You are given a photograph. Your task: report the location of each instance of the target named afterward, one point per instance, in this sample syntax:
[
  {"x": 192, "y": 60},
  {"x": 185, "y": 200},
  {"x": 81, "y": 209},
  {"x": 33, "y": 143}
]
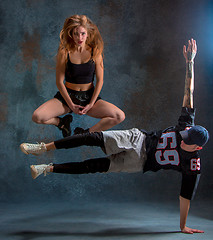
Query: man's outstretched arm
[
  {"x": 184, "y": 209},
  {"x": 189, "y": 53}
]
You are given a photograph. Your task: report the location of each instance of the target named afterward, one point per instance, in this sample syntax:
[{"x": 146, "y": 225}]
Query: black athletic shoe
[
  {"x": 64, "y": 125},
  {"x": 79, "y": 130}
]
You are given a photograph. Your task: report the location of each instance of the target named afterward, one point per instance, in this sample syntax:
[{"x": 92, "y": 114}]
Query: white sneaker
[
  {"x": 37, "y": 170},
  {"x": 35, "y": 149}
]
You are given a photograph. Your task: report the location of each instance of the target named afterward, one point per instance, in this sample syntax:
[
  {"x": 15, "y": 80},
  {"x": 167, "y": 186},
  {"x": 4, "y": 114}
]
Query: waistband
[{"x": 74, "y": 91}]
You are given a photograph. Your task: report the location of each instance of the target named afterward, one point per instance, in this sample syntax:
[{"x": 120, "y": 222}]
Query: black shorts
[{"x": 81, "y": 98}]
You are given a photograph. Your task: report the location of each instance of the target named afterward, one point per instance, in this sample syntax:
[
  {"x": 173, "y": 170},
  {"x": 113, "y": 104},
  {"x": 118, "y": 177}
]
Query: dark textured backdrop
[{"x": 144, "y": 76}]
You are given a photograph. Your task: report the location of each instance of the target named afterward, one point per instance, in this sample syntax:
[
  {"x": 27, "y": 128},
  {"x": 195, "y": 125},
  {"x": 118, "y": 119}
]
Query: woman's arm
[
  {"x": 99, "y": 71},
  {"x": 60, "y": 74}
]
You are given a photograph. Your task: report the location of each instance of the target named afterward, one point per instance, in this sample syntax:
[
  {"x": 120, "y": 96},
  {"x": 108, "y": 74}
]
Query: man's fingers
[
  {"x": 197, "y": 231},
  {"x": 195, "y": 46},
  {"x": 187, "y": 232},
  {"x": 191, "y": 231},
  {"x": 184, "y": 49}
]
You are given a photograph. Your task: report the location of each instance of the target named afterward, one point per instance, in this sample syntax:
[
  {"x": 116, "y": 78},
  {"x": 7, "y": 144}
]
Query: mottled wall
[{"x": 144, "y": 75}]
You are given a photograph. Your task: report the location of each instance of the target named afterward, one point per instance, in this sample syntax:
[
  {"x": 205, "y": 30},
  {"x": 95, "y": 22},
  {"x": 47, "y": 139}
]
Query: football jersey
[{"x": 164, "y": 152}]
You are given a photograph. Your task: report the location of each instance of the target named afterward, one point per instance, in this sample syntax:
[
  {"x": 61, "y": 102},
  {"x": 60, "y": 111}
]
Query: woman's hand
[
  {"x": 85, "y": 109},
  {"x": 76, "y": 109}
]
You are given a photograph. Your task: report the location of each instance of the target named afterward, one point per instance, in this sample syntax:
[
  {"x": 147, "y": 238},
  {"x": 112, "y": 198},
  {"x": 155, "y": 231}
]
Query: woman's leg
[
  {"x": 109, "y": 114},
  {"x": 48, "y": 112}
]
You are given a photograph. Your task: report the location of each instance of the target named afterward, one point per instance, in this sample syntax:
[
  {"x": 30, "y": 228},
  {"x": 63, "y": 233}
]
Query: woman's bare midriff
[{"x": 79, "y": 87}]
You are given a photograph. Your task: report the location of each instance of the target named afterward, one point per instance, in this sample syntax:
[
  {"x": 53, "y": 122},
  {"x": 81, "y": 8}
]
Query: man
[{"x": 135, "y": 150}]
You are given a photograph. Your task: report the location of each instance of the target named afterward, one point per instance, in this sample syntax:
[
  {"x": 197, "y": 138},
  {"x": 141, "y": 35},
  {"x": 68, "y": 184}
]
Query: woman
[{"x": 79, "y": 58}]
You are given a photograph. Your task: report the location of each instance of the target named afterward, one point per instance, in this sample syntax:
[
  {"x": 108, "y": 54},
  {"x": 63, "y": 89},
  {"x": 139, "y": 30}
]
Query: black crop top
[{"x": 80, "y": 73}]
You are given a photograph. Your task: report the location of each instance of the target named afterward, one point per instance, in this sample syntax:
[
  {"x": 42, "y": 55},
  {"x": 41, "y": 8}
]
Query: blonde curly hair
[{"x": 94, "y": 39}]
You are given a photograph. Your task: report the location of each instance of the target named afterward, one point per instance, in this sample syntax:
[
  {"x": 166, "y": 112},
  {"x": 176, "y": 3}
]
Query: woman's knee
[
  {"x": 38, "y": 118},
  {"x": 122, "y": 116},
  {"x": 119, "y": 117}
]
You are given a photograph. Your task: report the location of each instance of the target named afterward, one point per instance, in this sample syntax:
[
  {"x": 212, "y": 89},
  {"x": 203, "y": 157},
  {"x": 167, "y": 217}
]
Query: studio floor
[{"x": 63, "y": 221}]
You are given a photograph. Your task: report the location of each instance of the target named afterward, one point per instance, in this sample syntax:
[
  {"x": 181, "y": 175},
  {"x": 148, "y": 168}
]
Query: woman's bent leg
[
  {"x": 48, "y": 112},
  {"x": 109, "y": 114}
]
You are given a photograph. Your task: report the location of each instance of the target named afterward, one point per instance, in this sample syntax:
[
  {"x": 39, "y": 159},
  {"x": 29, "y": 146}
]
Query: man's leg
[
  {"x": 88, "y": 139},
  {"x": 88, "y": 166}
]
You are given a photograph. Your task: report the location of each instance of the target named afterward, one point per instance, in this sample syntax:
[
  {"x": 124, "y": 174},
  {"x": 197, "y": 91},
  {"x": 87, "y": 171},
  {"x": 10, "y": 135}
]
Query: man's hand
[
  {"x": 191, "y": 50},
  {"x": 190, "y": 230},
  {"x": 189, "y": 54}
]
